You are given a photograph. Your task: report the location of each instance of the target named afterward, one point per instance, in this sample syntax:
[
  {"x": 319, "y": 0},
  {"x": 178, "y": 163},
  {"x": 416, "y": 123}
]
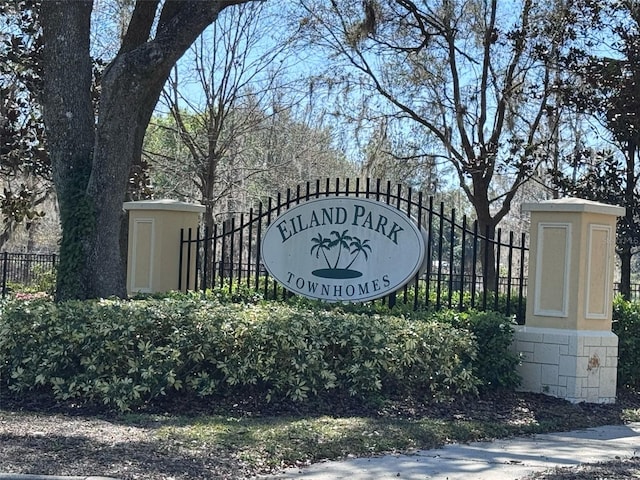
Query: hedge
[{"x": 124, "y": 354}]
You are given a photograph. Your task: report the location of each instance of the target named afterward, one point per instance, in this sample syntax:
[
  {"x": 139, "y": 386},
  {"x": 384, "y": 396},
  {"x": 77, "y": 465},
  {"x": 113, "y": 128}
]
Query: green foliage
[
  {"x": 626, "y": 325},
  {"x": 125, "y": 353},
  {"x": 115, "y": 353},
  {"x": 404, "y": 304},
  {"x": 24, "y": 162},
  {"x": 78, "y": 222},
  {"x": 496, "y": 364},
  {"x": 43, "y": 281}
]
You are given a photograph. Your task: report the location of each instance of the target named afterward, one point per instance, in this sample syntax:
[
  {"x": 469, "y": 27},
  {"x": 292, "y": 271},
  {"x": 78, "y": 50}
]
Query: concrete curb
[{"x": 18, "y": 476}]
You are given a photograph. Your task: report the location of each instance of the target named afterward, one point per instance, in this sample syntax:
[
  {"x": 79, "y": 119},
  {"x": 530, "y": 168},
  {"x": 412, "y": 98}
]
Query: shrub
[
  {"x": 496, "y": 364},
  {"x": 110, "y": 352},
  {"x": 43, "y": 281},
  {"x": 626, "y": 325},
  {"x": 125, "y": 353},
  {"x": 403, "y": 305}
]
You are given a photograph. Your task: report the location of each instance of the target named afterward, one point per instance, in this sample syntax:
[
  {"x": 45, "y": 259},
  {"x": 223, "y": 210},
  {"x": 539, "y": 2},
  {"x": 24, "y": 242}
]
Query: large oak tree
[
  {"x": 608, "y": 88},
  {"x": 93, "y": 143},
  {"x": 477, "y": 77}
]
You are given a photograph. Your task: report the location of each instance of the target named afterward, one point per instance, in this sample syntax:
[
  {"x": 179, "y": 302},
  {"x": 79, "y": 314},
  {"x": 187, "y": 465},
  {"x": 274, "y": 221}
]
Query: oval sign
[{"x": 343, "y": 249}]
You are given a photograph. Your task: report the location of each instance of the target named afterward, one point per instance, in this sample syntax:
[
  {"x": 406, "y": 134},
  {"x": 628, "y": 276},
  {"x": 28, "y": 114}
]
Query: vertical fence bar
[
  {"x": 223, "y": 253},
  {"x": 463, "y": 251},
  {"x": 398, "y": 205},
  {"x": 284, "y": 291},
  {"x": 509, "y": 272},
  {"x": 259, "y": 247},
  {"x": 485, "y": 270},
  {"x": 214, "y": 254},
  {"x": 274, "y": 283},
  {"x": 266, "y": 276},
  {"x": 180, "y": 258},
  {"x": 188, "y": 285},
  {"x": 452, "y": 240},
  {"x": 498, "y": 244},
  {"x": 416, "y": 285},
  {"x": 5, "y": 260},
  {"x": 198, "y": 260},
  {"x": 232, "y": 235},
  {"x": 250, "y": 248},
  {"x": 474, "y": 264},
  {"x": 269, "y": 214},
  {"x": 205, "y": 262},
  {"x": 429, "y": 251},
  {"x": 240, "y": 248},
  {"x": 521, "y": 285},
  {"x": 440, "y": 248}
]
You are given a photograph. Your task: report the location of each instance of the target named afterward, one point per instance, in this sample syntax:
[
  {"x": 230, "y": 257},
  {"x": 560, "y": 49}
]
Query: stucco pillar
[
  {"x": 567, "y": 347},
  {"x": 154, "y": 244}
]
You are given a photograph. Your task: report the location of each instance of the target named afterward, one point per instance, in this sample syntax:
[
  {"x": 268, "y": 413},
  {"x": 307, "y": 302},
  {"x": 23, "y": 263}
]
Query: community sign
[{"x": 343, "y": 249}]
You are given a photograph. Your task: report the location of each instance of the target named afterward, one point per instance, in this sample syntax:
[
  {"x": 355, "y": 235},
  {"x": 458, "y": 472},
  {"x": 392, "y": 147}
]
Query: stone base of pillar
[{"x": 576, "y": 365}]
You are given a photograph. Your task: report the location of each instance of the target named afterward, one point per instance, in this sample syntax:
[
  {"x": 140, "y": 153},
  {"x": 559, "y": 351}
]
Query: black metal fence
[
  {"x": 634, "y": 294},
  {"x": 457, "y": 273},
  {"x": 19, "y": 270}
]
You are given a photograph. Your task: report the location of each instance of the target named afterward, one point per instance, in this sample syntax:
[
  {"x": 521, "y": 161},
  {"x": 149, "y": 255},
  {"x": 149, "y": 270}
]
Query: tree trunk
[
  {"x": 625, "y": 251},
  {"x": 488, "y": 255},
  {"x": 126, "y": 105},
  {"x": 210, "y": 265},
  {"x": 91, "y": 167},
  {"x": 69, "y": 121},
  {"x": 486, "y": 228},
  {"x": 625, "y": 255}
]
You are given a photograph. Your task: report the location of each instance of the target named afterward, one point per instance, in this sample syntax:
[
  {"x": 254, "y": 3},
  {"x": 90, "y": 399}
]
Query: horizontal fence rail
[
  {"x": 466, "y": 268},
  {"x": 19, "y": 270}
]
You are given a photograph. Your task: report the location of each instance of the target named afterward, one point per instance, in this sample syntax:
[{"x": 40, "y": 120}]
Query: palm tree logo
[{"x": 343, "y": 242}]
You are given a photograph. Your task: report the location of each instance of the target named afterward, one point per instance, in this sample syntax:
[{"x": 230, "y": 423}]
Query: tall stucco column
[
  {"x": 154, "y": 244},
  {"x": 567, "y": 347}
]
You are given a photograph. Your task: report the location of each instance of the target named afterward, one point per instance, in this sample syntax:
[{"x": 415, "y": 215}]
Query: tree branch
[{"x": 140, "y": 25}]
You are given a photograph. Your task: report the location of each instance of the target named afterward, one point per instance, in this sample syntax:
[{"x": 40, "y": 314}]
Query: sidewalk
[{"x": 509, "y": 459}]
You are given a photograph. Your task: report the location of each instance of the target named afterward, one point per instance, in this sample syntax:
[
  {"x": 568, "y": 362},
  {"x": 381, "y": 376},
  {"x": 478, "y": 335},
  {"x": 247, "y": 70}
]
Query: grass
[
  {"x": 276, "y": 442},
  {"x": 266, "y": 442},
  {"x": 185, "y": 438}
]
